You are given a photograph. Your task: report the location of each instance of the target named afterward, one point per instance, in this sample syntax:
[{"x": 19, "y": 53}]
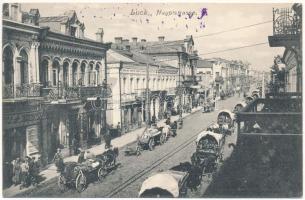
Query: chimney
[
  {"x": 161, "y": 38},
  {"x": 118, "y": 40},
  {"x": 143, "y": 40},
  {"x": 127, "y": 47},
  {"x": 125, "y": 42},
  {"x": 134, "y": 40},
  {"x": 99, "y": 35}
]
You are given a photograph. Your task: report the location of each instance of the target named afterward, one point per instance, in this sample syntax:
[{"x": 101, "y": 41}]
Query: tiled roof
[
  {"x": 116, "y": 57},
  {"x": 54, "y": 19}
]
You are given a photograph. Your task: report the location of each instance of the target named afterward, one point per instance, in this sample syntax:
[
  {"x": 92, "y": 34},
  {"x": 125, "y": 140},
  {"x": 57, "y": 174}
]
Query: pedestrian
[
  {"x": 107, "y": 138},
  {"x": 174, "y": 128},
  {"x": 75, "y": 145},
  {"x": 34, "y": 171},
  {"x": 7, "y": 173},
  {"x": 81, "y": 157},
  {"x": 168, "y": 121},
  {"x": 119, "y": 129},
  {"x": 153, "y": 119},
  {"x": 17, "y": 171},
  {"x": 58, "y": 160},
  {"x": 24, "y": 166}
]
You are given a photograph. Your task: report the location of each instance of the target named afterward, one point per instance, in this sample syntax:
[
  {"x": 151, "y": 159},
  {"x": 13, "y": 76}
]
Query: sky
[{"x": 176, "y": 20}]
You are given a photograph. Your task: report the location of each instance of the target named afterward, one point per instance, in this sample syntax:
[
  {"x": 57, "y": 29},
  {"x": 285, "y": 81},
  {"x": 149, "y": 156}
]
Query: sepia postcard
[{"x": 142, "y": 99}]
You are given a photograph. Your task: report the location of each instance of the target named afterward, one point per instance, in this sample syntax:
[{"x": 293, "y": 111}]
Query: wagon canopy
[
  {"x": 241, "y": 103},
  {"x": 227, "y": 113},
  {"x": 216, "y": 136},
  {"x": 163, "y": 181}
]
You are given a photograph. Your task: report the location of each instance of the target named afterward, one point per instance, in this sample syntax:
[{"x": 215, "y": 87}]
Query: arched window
[
  {"x": 65, "y": 74},
  {"x": 90, "y": 74},
  {"x": 55, "y": 72},
  {"x": 43, "y": 76},
  {"x": 97, "y": 77},
  {"x": 23, "y": 67},
  {"x": 74, "y": 73},
  {"x": 8, "y": 67},
  {"x": 82, "y": 74}
]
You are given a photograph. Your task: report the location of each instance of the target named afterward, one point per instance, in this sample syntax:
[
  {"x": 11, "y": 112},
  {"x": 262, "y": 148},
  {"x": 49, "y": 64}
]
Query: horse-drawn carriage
[
  {"x": 225, "y": 120},
  {"x": 170, "y": 183},
  {"x": 76, "y": 174},
  {"x": 150, "y": 137},
  {"x": 209, "y": 147}
]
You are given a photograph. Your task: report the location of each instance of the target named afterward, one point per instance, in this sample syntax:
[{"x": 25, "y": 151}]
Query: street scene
[{"x": 127, "y": 100}]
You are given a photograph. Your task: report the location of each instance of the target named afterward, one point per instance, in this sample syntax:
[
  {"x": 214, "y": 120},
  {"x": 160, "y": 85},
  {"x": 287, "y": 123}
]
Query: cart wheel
[
  {"x": 81, "y": 182},
  {"x": 102, "y": 172},
  {"x": 162, "y": 139},
  {"x": 62, "y": 183},
  {"x": 151, "y": 144}
]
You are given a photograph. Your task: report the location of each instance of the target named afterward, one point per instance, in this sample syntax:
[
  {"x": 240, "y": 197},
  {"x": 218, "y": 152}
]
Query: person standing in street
[
  {"x": 58, "y": 159},
  {"x": 16, "y": 171},
  {"x": 107, "y": 138},
  {"x": 75, "y": 145},
  {"x": 119, "y": 129}
]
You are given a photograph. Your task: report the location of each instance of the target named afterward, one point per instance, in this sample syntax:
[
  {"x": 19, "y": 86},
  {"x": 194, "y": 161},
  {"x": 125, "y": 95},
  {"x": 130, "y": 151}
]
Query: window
[
  {"x": 74, "y": 74},
  {"x": 6, "y": 11},
  {"x": 54, "y": 72},
  {"x": 23, "y": 67},
  {"x": 8, "y": 65},
  {"x": 73, "y": 31},
  {"x": 217, "y": 74}
]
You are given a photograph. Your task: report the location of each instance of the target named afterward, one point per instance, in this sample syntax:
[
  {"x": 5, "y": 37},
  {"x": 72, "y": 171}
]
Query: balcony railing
[
  {"x": 286, "y": 22},
  {"x": 128, "y": 97},
  {"x": 75, "y": 92},
  {"x": 21, "y": 90}
]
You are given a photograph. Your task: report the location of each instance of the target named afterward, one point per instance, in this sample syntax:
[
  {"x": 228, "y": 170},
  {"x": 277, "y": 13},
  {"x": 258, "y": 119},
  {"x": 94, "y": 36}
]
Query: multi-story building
[
  {"x": 50, "y": 73},
  {"x": 129, "y": 71},
  {"x": 287, "y": 32},
  {"x": 180, "y": 54},
  {"x": 223, "y": 74}
]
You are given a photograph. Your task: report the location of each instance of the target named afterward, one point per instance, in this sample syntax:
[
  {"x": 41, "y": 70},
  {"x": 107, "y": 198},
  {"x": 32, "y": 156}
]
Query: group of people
[{"x": 25, "y": 171}]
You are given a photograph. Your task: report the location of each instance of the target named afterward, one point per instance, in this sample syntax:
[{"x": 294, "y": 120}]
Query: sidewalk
[{"x": 50, "y": 172}]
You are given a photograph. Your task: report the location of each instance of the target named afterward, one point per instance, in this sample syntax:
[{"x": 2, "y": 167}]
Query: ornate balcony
[
  {"x": 12, "y": 91},
  {"x": 72, "y": 93},
  {"x": 287, "y": 27}
]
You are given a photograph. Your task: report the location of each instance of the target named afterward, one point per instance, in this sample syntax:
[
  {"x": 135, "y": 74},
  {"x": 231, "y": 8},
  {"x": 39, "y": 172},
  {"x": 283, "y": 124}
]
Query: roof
[
  {"x": 54, "y": 19},
  {"x": 115, "y": 57},
  {"x": 204, "y": 63}
]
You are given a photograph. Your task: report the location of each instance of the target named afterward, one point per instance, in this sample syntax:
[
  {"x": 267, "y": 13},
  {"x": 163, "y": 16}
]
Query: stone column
[
  {"x": 16, "y": 80},
  {"x": 33, "y": 66}
]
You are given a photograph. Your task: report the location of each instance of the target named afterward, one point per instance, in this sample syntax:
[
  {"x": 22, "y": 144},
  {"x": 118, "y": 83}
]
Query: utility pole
[
  {"x": 147, "y": 98},
  {"x": 105, "y": 96},
  {"x": 180, "y": 90}
]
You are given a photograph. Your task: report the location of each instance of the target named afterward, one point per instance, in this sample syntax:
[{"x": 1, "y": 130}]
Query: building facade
[
  {"x": 47, "y": 85},
  {"x": 129, "y": 71},
  {"x": 287, "y": 32}
]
